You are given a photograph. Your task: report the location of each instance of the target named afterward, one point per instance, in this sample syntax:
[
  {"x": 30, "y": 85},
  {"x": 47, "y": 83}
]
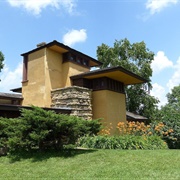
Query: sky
[{"x": 86, "y": 24}]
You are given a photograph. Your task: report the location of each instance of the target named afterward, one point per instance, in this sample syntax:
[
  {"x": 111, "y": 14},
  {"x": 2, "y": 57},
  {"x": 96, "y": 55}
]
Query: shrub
[
  {"x": 3, "y": 136},
  {"x": 122, "y": 142},
  {"x": 40, "y": 129},
  {"x": 169, "y": 131}
]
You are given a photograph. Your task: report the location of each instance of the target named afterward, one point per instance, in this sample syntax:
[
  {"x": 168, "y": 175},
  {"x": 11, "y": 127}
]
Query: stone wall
[{"x": 74, "y": 97}]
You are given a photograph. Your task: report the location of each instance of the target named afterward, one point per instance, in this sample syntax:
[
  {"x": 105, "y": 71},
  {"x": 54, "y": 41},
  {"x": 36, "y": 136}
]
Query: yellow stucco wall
[
  {"x": 46, "y": 71},
  {"x": 110, "y": 106},
  {"x": 54, "y": 70},
  {"x": 33, "y": 90},
  {"x": 70, "y": 69}
]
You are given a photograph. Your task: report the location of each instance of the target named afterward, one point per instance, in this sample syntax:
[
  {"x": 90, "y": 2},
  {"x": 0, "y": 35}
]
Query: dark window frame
[
  {"x": 98, "y": 84},
  {"x": 77, "y": 59},
  {"x": 25, "y": 69}
]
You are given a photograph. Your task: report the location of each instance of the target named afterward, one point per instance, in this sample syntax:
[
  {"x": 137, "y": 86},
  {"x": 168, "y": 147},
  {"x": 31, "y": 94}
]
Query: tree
[
  {"x": 174, "y": 97},
  {"x": 136, "y": 58},
  {"x": 170, "y": 115},
  {"x": 1, "y": 60}
]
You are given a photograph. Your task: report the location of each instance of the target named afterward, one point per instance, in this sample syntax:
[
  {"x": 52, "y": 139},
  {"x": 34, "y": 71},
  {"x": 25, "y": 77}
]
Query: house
[
  {"x": 136, "y": 118},
  {"x": 59, "y": 77}
]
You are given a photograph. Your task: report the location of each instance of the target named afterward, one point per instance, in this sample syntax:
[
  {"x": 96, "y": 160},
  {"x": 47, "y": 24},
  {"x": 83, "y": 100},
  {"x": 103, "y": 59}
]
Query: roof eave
[
  {"x": 108, "y": 70},
  {"x": 98, "y": 63}
]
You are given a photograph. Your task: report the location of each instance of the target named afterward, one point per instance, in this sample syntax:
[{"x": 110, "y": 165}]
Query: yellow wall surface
[
  {"x": 54, "y": 71},
  {"x": 33, "y": 90},
  {"x": 70, "y": 69},
  {"x": 110, "y": 106},
  {"x": 46, "y": 72}
]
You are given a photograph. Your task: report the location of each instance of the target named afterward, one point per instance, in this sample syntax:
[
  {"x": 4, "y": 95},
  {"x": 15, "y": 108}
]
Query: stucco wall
[
  {"x": 54, "y": 69},
  {"x": 33, "y": 90},
  {"x": 46, "y": 71},
  {"x": 76, "y": 98},
  {"x": 110, "y": 106},
  {"x": 70, "y": 69}
]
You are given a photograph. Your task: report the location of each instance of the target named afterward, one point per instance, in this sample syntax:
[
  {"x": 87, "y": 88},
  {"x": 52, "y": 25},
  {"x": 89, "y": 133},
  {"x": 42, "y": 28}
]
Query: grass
[{"x": 93, "y": 164}]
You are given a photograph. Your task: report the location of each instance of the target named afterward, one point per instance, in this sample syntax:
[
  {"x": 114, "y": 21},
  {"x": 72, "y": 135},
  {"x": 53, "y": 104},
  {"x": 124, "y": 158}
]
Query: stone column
[{"x": 74, "y": 97}]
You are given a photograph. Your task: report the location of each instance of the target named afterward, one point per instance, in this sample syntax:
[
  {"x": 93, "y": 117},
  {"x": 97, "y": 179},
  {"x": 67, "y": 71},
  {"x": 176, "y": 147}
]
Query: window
[
  {"x": 107, "y": 83},
  {"x": 76, "y": 59},
  {"x": 103, "y": 83},
  {"x": 25, "y": 68}
]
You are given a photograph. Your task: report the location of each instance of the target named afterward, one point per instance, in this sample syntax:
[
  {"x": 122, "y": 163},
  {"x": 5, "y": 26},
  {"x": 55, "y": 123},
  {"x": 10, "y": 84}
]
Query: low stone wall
[{"x": 74, "y": 97}]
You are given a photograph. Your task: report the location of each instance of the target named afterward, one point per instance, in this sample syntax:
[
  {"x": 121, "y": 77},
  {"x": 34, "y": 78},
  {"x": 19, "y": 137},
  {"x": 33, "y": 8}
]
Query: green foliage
[
  {"x": 122, "y": 142},
  {"x": 1, "y": 60},
  {"x": 174, "y": 97},
  {"x": 3, "y": 132},
  {"x": 136, "y": 58},
  {"x": 165, "y": 130},
  {"x": 170, "y": 116},
  {"x": 171, "y": 119},
  {"x": 41, "y": 129}
]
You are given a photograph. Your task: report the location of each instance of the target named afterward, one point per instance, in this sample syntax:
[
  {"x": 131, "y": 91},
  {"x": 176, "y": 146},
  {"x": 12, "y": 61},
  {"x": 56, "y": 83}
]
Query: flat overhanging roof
[
  {"x": 10, "y": 107},
  {"x": 10, "y": 96},
  {"x": 59, "y": 47},
  {"x": 115, "y": 73}
]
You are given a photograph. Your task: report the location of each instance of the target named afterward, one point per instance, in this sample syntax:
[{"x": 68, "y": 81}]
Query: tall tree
[
  {"x": 136, "y": 58},
  {"x": 170, "y": 115},
  {"x": 1, "y": 60}
]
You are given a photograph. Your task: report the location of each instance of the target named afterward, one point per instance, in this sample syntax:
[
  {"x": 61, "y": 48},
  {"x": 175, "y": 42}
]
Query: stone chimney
[{"x": 41, "y": 44}]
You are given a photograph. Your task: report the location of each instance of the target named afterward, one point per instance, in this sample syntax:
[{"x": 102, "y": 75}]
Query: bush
[
  {"x": 40, "y": 129},
  {"x": 171, "y": 119},
  {"x": 3, "y": 136},
  {"x": 122, "y": 142}
]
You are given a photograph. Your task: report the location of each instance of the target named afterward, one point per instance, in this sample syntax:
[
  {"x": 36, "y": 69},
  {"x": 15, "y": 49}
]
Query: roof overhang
[
  {"x": 10, "y": 96},
  {"x": 134, "y": 116},
  {"x": 17, "y": 90},
  {"x": 61, "y": 48},
  {"x": 115, "y": 73},
  {"x": 8, "y": 107}
]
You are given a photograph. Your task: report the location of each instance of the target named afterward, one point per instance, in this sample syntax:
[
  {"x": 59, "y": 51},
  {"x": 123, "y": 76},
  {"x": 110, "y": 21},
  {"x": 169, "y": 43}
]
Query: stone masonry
[{"x": 78, "y": 99}]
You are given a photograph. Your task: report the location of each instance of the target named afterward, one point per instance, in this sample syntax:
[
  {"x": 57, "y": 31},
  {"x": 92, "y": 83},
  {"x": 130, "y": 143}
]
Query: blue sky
[{"x": 86, "y": 24}]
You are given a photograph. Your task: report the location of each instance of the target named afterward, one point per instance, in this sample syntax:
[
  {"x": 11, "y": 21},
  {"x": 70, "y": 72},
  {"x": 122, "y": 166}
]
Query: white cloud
[
  {"x": 158, "y": 5},
  {"x": 160, "y": 62},
  {"x": 159, "y": 92},
  {"x": 10, "y": 79},
  {"x": 35, "y": 6},
  {"x": 74, "y": 36},
  {"x": 175, "y": 79}
]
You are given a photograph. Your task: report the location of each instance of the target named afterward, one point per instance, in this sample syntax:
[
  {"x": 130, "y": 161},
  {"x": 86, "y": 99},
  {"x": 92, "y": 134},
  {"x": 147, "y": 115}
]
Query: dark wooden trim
[
  {"x": 25, "y": 68},
  {"x": 10, "y": 96},
  {"x": 98, "y": 84},
  {"x": 24, "y": 81},
  {"x": 17, "y": 90},
  {"x": 76, "y": 59},
  {"x": 12, "y": 111},
  {"x": 64, "y": 47}
]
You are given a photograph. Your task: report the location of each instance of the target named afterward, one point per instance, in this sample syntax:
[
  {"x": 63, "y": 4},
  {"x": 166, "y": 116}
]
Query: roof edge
[
  {"x": 110, "y": 69},
  {"x": 62, "y": 46}
]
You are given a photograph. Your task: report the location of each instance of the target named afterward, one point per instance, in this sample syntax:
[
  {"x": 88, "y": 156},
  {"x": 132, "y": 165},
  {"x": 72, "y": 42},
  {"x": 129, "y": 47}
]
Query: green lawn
[{"x": 94, "y": 164}]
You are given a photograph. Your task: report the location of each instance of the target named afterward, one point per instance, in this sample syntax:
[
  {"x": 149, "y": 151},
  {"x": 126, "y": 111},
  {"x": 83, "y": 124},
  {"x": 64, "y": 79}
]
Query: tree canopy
[
  {"x": 173, "y": 105},
  {"x": 1, "y": 60},
  {"x": 137, "y": 58},
  {"x": 170, "y": 114}
]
